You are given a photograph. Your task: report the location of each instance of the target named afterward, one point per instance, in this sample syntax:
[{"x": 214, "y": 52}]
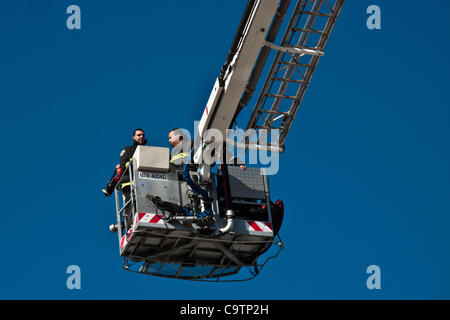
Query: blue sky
[{"x": 365, "y": 177}]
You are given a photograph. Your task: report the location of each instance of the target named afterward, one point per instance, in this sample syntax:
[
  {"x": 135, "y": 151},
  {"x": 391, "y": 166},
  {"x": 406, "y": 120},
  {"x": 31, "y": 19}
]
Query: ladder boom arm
[
  {"x": 230, "y": 85},
  {"x": 294, "y": 62}
]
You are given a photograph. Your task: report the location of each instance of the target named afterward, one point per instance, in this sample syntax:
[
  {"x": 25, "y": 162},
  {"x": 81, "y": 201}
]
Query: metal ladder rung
[
  {"x": 273, "y": 112},
  {"x": 307, "y": 30},
  {"x": 289, "y": 63},
  {"x": 287, "y": 80},
  {"x": 321, "y": 14},
  {"x": 281, "y": 96}
]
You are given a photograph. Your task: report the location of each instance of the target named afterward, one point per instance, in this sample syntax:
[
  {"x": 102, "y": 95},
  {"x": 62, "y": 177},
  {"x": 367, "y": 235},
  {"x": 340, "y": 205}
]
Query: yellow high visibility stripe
[{"x": 179, "y": 156}]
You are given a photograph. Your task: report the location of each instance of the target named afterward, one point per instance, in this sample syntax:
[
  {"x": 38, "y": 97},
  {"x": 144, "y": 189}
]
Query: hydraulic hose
[
  {"x": 187, "y": 213},
  {"x": 195, "y": 187}
]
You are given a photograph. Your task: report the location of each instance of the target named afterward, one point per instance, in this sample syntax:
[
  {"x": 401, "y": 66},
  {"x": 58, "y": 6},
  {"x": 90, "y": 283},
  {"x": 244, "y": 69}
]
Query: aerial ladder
[{"x": 208, "y": 220}]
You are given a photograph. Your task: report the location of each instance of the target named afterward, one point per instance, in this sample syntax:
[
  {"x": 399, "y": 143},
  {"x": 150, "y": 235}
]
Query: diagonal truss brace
[{"x": 294, "y": 50}]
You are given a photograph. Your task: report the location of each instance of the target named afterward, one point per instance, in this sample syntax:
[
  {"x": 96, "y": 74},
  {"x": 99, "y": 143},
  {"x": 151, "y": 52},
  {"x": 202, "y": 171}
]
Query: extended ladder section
[{"x": 294, "y": 64}]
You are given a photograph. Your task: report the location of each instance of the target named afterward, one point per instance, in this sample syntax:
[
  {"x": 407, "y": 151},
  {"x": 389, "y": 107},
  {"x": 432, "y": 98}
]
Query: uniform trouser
[{"x": 128, "y": 212}]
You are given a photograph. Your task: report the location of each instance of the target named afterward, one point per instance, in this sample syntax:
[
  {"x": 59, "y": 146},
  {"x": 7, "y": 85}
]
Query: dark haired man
[
  {"x": 127, "y": 153},
  {"x": 125, "y": 156}
]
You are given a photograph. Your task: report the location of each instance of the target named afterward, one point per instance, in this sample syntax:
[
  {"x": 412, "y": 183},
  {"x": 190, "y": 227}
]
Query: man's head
[
  {"x": 175, "y": 137},
  {"x": 139, "y": 136}
]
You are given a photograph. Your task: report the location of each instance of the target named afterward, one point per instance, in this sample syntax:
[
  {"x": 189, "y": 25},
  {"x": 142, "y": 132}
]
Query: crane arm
[{"x": 230, "y": 85}]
